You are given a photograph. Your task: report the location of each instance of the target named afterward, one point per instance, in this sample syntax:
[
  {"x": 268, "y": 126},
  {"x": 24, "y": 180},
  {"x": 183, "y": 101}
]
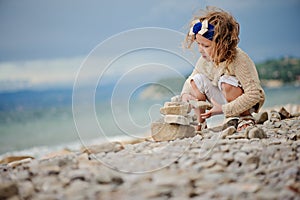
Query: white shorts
[
  {"x": 206, "y": 87},
  {"x": 231, "y": 80}
]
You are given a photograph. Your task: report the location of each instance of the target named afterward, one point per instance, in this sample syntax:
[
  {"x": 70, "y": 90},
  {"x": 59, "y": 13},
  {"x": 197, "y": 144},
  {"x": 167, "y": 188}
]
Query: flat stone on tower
[
  {"x": 176, "y": 119},
  {"x": 201, "y": 104},
  {"x": 175, "y": 108}
]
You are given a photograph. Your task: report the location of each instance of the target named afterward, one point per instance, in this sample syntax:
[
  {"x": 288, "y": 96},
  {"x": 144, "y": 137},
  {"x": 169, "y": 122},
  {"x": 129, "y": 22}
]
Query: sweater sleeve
[{"x": 246, "y": 73}]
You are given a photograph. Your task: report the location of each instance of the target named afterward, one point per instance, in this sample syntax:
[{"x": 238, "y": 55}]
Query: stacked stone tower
[
  {"x": 177, "y": 122},
  {"x": 174, "y": 124}
]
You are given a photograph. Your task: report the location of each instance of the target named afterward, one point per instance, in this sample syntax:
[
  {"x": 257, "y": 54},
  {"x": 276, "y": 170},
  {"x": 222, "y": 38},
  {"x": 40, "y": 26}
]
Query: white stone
[
  {"x": 228, "y": 131},
  {"x": 176, "y": 98},
  {"x": 256, "y": 133}
]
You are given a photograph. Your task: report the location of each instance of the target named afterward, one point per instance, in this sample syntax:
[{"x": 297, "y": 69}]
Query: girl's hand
[{"x": 216, "y": 110}]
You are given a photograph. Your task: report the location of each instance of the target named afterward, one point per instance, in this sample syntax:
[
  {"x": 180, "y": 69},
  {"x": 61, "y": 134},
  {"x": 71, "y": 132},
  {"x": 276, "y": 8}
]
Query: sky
[{"x": 43, "y": 43}]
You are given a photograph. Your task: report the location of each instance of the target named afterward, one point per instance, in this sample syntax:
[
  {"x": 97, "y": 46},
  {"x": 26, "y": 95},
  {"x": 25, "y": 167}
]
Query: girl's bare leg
[
  {"x": 201, "y": 97},
  {"x": 231, "y": 93}
]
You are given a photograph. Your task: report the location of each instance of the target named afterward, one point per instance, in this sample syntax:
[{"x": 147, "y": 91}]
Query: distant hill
[
  {"x": 284, "y": 71},
  {"x": 163, "y": 88}
]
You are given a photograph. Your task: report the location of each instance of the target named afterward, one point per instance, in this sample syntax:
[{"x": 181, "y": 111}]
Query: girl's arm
[{"x": 246, "y": 73}]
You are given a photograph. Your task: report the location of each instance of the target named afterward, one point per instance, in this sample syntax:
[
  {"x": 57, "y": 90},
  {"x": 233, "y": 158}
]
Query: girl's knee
[
  {"x": 226, "y": 88},
  {"x": 231, "y": 92},
  {"x": 197, "y": 92}
]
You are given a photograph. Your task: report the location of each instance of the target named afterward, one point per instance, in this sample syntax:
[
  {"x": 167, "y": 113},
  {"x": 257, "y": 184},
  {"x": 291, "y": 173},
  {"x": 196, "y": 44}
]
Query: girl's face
[{"x": 205, "y": 47}]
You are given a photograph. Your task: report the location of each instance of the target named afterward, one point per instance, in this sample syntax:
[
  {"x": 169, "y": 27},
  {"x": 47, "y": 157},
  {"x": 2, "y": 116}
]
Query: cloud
[
  {"x": 144, "y": 65},
  {"x": 38, "y": 73}
]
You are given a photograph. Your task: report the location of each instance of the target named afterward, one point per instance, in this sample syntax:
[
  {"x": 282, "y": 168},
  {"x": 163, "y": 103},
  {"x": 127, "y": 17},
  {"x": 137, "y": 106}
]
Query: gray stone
[
  {"x": 48, "y": 184},
  {"x": 207, "y": 164},
  {"x": 235, "y": 189},
  {"x": 294, "y": 136},
  {"x": 218, "y": 157},
  {"x": 228, "y": 157},
  {"x": 107, "y": 176},
  {"x": 26, "y": 189},
  {"x": 81, "y": 174},
  {"x": 216, "y": 168},
  {"x": 47, "y": 196},
  {"x": 291, "y": 123},
  {"x": 284, "y": 113},
  {"x": 282, "y": 131},
  {"x": 209, "y": 144},
  {"x": 77, "y": 188},
  {"x": 253, "y": 160},
  {"x": 260, "y": 117},
  {"x": 51, "y": 169},
  {"x": 256, "y": 133},
  {"x": 225, "y": 148},
  {"x": 267, "y": 194},
  {"x": 8, "y": 189},
  {"x": 274, "y": 116},
  {"x": 236, "y": 136},
  {"x": 105, "y": 147},
  {"x": 277, "y": 124},
  {"x": 240, "y": 156},
  {"x": 231, "y": 122}
]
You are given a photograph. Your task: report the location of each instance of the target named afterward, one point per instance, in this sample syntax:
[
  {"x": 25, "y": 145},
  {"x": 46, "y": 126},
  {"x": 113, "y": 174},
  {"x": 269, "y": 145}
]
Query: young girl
[{"x": 224, "y": 74}]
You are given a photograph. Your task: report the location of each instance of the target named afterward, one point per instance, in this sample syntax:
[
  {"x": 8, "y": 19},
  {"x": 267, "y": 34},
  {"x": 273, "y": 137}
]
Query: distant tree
[{"x": 286, "y": 69}]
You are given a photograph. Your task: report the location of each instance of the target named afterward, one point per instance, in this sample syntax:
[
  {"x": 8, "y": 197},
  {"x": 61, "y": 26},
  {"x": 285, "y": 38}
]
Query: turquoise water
[
  {"x": 281, "y": 96},
  {"x": 47, "y": 120}
]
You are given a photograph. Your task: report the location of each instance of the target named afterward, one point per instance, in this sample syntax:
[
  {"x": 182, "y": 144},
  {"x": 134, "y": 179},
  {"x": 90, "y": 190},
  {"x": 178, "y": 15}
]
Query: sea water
[{"x": 36, "y": 122}]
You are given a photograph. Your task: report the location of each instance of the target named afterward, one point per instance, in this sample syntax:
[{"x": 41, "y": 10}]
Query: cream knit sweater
[{"x": 244, "y": 70}]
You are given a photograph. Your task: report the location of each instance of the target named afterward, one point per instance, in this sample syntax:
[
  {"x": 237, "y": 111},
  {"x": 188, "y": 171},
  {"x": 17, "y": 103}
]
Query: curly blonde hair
[{"x": 226, "y": 34}]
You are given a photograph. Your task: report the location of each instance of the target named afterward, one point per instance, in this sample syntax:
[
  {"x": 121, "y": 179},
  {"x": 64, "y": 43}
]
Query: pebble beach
[{"x": 210, "y": 165}]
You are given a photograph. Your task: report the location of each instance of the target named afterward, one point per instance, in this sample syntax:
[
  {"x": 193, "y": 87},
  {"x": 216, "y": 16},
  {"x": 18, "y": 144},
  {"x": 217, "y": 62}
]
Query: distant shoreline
[{"x": 273, "y": 83}]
